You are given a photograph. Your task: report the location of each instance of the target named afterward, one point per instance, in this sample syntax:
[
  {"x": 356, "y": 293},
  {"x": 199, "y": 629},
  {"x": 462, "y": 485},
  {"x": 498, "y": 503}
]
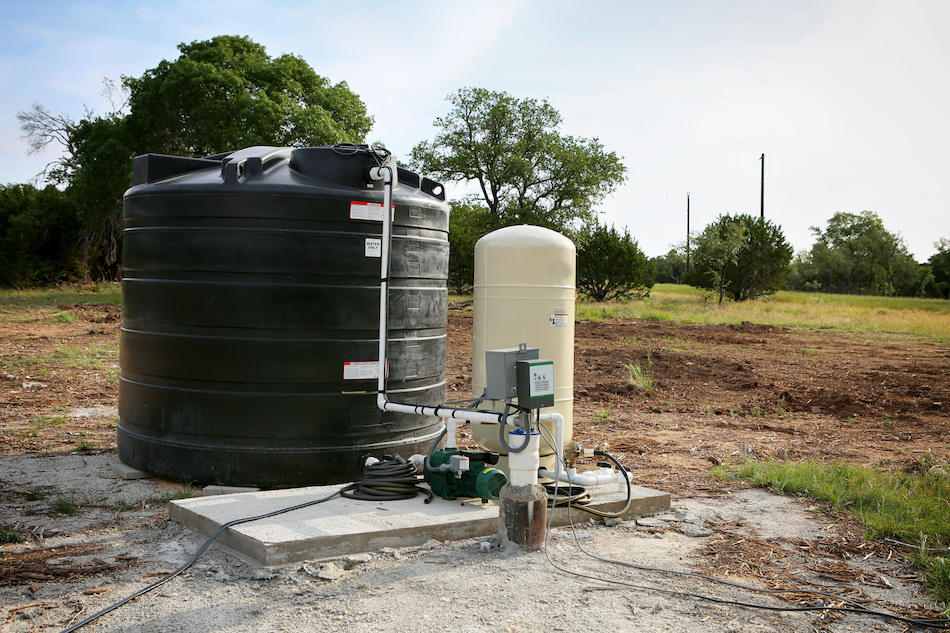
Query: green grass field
[{"x": 926, "y": 318}]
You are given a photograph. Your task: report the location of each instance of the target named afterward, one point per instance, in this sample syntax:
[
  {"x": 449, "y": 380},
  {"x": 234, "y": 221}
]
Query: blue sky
[{"x": 848, "y": 99}]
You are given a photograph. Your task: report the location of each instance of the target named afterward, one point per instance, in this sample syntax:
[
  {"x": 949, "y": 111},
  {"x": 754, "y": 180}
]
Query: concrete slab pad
[
  {"x": 210, "y": 491},
  {"x": 127, "y": 472},
  {"x": 344, "y": 526}
]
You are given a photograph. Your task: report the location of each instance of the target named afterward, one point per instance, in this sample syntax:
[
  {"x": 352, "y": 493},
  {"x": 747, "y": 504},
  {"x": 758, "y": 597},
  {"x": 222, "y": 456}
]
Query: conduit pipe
[
  {"x": 386, "y": 173},
  {"x": 592, "y": 478}
]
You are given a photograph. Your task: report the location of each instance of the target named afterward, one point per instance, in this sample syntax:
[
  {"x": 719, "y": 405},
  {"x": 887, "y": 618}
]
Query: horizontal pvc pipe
[{"x": 592, "y": 478}]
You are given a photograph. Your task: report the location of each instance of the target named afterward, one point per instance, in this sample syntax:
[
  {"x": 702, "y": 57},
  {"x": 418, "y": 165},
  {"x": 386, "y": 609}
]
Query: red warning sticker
[
  {"x": 372, "y": 211},
  {"x": 362, "y": 370}
]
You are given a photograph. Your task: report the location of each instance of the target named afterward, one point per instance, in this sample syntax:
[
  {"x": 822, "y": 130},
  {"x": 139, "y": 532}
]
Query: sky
[{"x": 849, "y": 100}]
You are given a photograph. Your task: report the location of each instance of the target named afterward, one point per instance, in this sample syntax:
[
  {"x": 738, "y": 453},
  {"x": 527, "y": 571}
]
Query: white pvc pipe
[
  {"x": 523, "y": 465},
  {"x": 592, "y": 478}
]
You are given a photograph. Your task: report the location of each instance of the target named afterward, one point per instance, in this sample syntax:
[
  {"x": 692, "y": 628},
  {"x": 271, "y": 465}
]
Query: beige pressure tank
[{"x": 524, "y": 293}]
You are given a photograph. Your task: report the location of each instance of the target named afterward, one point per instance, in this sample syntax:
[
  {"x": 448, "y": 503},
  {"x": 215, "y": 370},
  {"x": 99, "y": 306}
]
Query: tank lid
[{"x": 524, "y": 235}]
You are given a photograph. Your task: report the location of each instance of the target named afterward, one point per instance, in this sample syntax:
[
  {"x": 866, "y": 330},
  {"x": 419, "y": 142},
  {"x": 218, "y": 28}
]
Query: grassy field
[
  {"x": 13, "y": 301},
  {"x": 927, "y": 318}
]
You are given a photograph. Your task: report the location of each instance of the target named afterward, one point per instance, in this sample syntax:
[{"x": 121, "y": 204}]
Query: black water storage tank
[{"x": 250, "y": 307}]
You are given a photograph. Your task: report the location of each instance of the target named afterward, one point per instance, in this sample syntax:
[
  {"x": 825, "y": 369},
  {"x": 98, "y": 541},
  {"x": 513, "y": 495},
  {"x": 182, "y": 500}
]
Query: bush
[{"x": 610, "y": 265}]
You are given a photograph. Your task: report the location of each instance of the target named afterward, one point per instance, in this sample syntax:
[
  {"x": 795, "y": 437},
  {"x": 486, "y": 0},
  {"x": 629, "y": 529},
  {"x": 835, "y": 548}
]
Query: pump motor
[{"x": 455, "y": 473}]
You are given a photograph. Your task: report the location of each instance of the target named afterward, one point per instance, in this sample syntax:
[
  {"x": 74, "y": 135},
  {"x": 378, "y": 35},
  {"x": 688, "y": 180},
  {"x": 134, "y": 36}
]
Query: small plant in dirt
[
  {"x": 641, "y": 377},
  {"x": 61, "y": 505},
  {"x": 30, "y": 495},
  {"x": 83, "y": 444},
  {"x": 9, "y": 535}
]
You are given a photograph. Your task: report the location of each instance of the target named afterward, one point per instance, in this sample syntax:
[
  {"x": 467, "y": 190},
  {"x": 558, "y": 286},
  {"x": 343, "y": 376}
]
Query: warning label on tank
[
  {"x": 372, "y": 211},
  {"x": 373, "y": 247},
  {"x": 560, "y": 319},
  {"x": 361, "y": 370}
]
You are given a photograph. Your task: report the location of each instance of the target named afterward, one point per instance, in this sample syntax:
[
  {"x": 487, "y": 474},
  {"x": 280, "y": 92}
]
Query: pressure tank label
[
  {"x": 560, "y": 319},
  {"x": 362, "y": 370},
  {"x": 373, "y": 247},
  {"x": 372, "y": 211}
]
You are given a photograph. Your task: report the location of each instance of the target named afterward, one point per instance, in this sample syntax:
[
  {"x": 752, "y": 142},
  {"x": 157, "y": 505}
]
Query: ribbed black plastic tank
[{"x": 250, "y": 315}]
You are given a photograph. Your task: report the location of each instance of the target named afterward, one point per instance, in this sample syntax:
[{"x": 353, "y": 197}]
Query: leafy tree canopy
[
  {"x": 940, "y": 268},
  {"x": 856, "y": 254},
  {"x": 219, "y": 95},
  {"x": 525, "y": 170},
  {"x": 610, "y": 264},
  {"x": 227, "y": 93},
  {"x": 468, "y": 222},
  {"x": 740, "y": 257}
]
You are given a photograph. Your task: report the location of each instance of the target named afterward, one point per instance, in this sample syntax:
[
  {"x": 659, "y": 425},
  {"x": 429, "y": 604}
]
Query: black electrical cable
[
  {"x": 387, "y": 480},
  {"x": 195, "y": 557},
  {"x": 858, "y": 608}
]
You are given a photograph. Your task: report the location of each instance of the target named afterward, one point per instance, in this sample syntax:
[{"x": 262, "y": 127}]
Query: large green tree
[
  {"x": 227, "y": 93},
  {"x": 671, "y": 268},
  {"x": 610, "y": 264},
  {"x": 856, "y": 254},
  {"x": 525, "y": 170},
  {"x": 40, "y": 236},
  {"x": 741, "y": 257},
  {"x": 468, "y": 221},
  {"x": 939, "y": 285},
  {"x": 220, "y": 95}
]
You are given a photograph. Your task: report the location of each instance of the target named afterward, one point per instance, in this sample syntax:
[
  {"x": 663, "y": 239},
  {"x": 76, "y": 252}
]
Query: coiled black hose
[{"x": 391, "y": 479}]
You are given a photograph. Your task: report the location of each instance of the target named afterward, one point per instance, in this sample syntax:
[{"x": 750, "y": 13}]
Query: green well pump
[{"x": 453, "y": 473}]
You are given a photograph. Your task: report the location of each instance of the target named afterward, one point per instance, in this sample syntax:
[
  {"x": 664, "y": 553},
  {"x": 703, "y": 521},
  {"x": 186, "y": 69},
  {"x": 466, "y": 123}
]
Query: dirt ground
[{"x": 719, "y": 392}]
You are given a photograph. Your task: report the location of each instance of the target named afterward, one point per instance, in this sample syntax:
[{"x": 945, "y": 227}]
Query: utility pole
[
  {"x": 762, "y": 191},
  {"x": 687, "y": 231}
]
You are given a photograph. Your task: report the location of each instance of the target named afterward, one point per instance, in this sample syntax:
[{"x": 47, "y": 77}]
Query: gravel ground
[{"x": 119, "y": 540}]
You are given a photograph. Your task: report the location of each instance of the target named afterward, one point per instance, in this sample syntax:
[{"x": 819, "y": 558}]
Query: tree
[
  {"x": 226, "y": 93},
  {"x": 610, "y": 264},
  {"x": 671, "y": 268},
  {"x": 103, "y": 152},
  {"x": 39, "y": 237},
  {"x": 741, "y": 257},
  {"x": 525, "y": 170},
  {"x": 468, "y": 222},
  {"x": 714, "y": 251},
  {"x": 762, "y": 266},
  {"x": 219, "y": 95},
  {"x": 855, "y": 254},
  {"x": 939, "y": 286}
]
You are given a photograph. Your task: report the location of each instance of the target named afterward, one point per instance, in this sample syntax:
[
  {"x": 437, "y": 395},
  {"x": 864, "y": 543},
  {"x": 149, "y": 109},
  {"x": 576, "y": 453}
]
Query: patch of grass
[
  {"x": 912, "y": 507},
  {"x": 641, "y": 377},
  {"x": 61, "y": 505},
  {"x": 9, "y": 535},
  {"x": 30, "y": 495},
  {"x": 185, "y": 492},
  {"x": 102, "y": 292},
  {"x": 40, "y": 422},
  {"x": 601, "y": 414},
  {"x": 83, "y": 444}
]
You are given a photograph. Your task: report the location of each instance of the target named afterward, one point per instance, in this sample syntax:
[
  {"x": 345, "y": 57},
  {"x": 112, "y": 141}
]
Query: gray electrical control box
[
  {"x": 535, "y": 382},
  {"x": 501, "y": 379}
]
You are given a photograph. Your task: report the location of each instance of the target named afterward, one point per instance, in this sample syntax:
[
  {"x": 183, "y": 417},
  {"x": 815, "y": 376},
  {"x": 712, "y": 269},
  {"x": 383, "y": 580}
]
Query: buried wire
[
  {"x": 195, "y": 557},
  {"x": 856, "y": 608},
  {"x": 386, "y": 480}
]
